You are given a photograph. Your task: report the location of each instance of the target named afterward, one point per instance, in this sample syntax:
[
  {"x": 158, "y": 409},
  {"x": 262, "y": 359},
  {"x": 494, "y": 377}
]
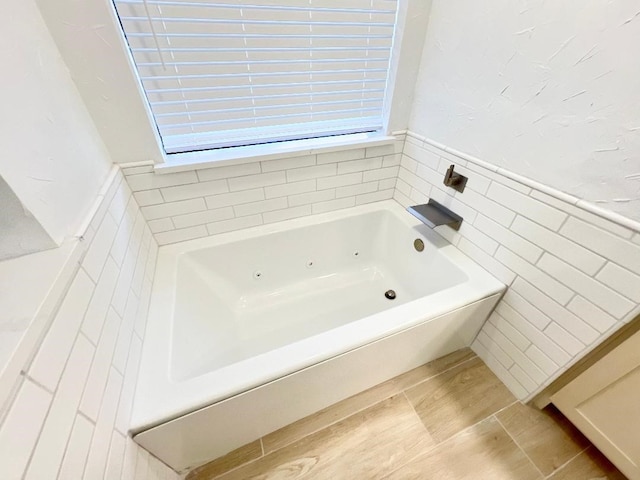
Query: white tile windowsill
[{"x": 180, "y": 162}]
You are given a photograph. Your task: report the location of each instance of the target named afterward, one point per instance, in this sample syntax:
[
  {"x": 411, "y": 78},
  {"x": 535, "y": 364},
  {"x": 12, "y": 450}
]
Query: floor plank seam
[
  {"x": 355, "y": 412},
  {"x": 470, "y": 427},
  {"x": 568, "y": 462},
  {"x": 439, "y": 373},
  {"x": 438, "y": 443},
  {"x": 313, "y": 432},
  {"x": 238, "y": 467},
  {"x": 403, "y": 391},
  {"x": 504, "y": 408},
  {"x": 419, "y": 450},
  {"x": 452, "y": 437},
  {"x": 513, "y": 439}
]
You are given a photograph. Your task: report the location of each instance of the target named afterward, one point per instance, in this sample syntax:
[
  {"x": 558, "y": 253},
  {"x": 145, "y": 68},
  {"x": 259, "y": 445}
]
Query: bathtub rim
[{"x": 158, "y": 399}]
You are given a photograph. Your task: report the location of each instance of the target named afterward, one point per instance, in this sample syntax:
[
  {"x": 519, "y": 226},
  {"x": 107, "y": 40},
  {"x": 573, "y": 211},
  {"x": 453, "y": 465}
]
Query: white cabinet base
[{"x": 604, "y": 403}]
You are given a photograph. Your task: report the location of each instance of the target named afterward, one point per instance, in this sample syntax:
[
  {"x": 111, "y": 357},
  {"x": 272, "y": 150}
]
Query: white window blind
[{"x": 228, "y": 73}]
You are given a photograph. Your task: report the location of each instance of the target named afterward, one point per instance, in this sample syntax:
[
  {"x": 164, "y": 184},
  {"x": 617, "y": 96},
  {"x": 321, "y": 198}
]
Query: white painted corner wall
[
  {"x": 548, "y": 90},
  {"x": 53, "y": 157},
  {"x": 89, "y": 38},
  {"x": 408, "y": 44},
  {"x": 573, "y": 277},
  {"x": 70, "y": 414}
]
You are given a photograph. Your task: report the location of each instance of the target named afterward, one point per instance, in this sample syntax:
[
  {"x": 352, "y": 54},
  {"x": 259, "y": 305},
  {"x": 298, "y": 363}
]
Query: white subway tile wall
[
  {"x": 194, "y": 204},
  {"x": 573, "y": 277},
  {"x": 71, "y": 413}
]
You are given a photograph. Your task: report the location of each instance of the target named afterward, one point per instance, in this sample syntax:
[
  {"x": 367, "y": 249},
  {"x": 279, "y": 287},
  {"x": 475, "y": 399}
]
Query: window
[{"x": 222, "y": 74}]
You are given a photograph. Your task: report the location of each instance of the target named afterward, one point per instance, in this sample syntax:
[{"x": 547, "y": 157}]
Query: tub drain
[{"x": 390, "y": 294}]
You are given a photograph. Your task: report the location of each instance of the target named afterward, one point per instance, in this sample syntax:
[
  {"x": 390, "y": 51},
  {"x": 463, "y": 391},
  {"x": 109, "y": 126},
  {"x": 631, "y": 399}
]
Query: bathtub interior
[{"x": 240, "y": 299}]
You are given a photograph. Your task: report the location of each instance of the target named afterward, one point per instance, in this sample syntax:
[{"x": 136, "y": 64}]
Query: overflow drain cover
[{"x": 390, "y": 294}]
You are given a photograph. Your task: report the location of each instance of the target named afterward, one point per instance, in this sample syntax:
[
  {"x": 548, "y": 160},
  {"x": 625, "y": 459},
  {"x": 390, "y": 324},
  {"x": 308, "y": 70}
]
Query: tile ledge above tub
[{"x": 180, "y": 162}]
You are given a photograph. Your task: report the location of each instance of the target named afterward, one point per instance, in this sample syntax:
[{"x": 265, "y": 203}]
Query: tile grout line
[
  {"x": 475, "y": 356},
  {"x": 417, "y": 415},
  {"x": 420, "y": 453},
  {"x": 27, "y": 465},
  {"x": 265, "y": 453},
  {"x": 518, "y": 445},
  {"x": 493, "y": 416},
  {"x": 437, "y": 444},
  {"x": 505, "y": 407},
  {"x": 313, "y": 432},
  {"x": 433, "y": 447},
  {"x": 569, "y": 461},
  {"x": 228, "y": 471}
]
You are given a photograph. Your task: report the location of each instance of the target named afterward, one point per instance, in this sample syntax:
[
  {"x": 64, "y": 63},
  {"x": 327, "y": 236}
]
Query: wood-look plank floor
[{"x": 447, "y": 420}]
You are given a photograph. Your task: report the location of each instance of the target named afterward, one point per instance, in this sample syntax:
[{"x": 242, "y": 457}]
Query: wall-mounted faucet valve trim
[{"x": 455, "y": 180}]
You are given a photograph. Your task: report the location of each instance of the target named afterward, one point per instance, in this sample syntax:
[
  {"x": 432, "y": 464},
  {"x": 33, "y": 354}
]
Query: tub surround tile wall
[
  {"x": 573, "y": 276},
  {"x": 197, "y": 203},
  {"x": 70, "y": 416}
]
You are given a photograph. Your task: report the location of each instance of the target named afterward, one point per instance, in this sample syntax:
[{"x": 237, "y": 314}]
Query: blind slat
[
  {"x": 258, "y": 98},
  {"x": 263, "y": 62},
  {"x": 280, "y": 23},
  {"x": 277, "y": 117},
  {"x": 247, "y": 6},
  {"x": 268, "y": 74},
  {"x": 311, "y": 36},
  {"x": 257, "y": 49},
  {"x": 307, "y": 105},
  {"x": 310, "y": 85}
]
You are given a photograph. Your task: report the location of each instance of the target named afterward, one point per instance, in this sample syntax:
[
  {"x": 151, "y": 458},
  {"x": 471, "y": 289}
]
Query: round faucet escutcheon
[{"x": 390, "y": 294}]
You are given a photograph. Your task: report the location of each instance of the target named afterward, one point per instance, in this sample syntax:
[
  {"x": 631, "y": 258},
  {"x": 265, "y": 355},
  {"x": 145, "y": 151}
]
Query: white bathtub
[{"x": 252, "y": 330}]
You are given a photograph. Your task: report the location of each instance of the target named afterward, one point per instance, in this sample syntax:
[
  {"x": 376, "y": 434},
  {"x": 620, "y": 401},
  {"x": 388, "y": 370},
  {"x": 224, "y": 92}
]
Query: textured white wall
[
  {"x": 549, "y": 90},
  {"x": 90, "y": 40},
  {"x": 52, "y": 156},
  {"x": 413, "y": 19}
]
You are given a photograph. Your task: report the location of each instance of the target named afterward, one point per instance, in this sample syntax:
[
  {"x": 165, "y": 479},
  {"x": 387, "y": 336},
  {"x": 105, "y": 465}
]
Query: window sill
[{"x": 180, "y": 162}]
